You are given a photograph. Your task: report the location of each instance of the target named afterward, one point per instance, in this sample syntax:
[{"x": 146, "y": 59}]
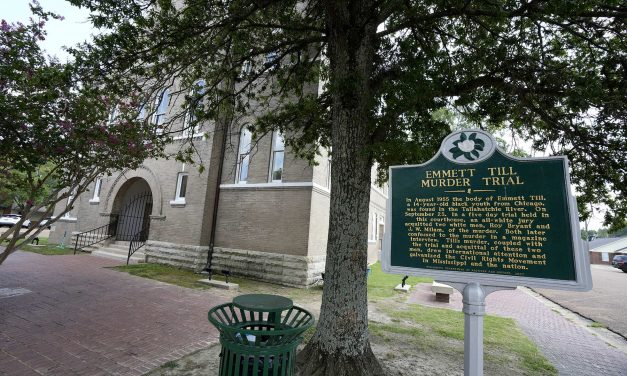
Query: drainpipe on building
[
  {"x": 216, "y": 200},
  {"x": 227, "y": 115}
]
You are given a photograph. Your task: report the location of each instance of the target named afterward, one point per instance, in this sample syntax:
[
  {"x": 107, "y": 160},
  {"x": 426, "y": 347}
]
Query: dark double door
[{"x": 134, "y": 218}]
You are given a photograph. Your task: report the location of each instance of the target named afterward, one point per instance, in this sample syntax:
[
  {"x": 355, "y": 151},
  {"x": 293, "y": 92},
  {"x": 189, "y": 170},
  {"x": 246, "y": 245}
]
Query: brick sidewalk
[
  {"x": 571, "y": 348},
  {"x": 80, "y": 318}
]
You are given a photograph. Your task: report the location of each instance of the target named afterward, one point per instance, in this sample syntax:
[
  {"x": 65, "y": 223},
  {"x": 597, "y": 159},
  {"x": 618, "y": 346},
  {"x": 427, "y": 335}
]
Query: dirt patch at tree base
[
  {"x": 398, "y": 358},
  {"x": 404, "y": 348}
]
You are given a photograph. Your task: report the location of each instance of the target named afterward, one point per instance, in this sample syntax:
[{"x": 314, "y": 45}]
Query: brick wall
[
  {"x": 597, "y": 258},
  {"x": 270, "y": 219},
  {"x": 319, "y": 222}
]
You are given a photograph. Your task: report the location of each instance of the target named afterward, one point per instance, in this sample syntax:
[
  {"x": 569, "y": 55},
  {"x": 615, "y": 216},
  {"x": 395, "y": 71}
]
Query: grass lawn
[
  {"x": 413, "y": 331},
  {"x": 381, "y": 285},
  {"x": 437, "y": 328},
  {"x": 189, "y": 279},
  {"x": 432, "y": 328},
  {"x": 46, "y": 249}
]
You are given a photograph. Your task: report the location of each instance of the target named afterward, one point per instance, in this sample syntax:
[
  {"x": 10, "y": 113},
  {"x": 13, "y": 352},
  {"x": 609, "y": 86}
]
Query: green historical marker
[
  {"x": 474, "y": 213},
  {"x": 482, "y": 221}
]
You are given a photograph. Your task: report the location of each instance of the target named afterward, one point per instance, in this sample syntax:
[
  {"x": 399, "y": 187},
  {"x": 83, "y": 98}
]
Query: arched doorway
[{"x": 133, "y": 205}]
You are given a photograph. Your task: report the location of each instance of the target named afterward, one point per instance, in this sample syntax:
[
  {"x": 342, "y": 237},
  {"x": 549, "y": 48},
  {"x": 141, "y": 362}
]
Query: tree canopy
[
  {"x": 365, "y": 78},
  {"x": 54, "y": 134},
  {"x": 552, "y": 72}
]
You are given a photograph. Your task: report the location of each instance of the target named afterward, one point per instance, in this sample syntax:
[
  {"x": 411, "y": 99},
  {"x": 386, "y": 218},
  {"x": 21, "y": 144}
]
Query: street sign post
[{"x": 481, "y": 220}]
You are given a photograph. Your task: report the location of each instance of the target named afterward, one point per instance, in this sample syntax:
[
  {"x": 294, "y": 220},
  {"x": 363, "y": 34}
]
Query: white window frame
[
  {"x": 243, "y": 156},
  {"x": 158, "y": 118},
  {"x": 114, "y": 113},
  {"x": 381, "y": 222},
  {"x": 179, "y": 183},
  {"x": 605, "y": 257},
  {"x": 96, "y": 196},
  {"x": 141, "y": 112},
  {"x": 373, "y": 228},
  {"x": 273, "y": 151},
  {"x": 247, "y": 68},
  {"x": 68, "y": 215},
  {"x": 271, "y": 57},
  {"x": 329, "y": 167}
]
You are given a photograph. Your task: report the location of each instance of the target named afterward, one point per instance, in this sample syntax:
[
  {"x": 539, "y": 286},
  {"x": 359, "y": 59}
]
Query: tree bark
[{"x": 340, "y": 345}]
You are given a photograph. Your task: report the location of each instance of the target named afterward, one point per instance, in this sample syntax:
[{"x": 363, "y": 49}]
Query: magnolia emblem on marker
[{"x": 469, "y": 147}]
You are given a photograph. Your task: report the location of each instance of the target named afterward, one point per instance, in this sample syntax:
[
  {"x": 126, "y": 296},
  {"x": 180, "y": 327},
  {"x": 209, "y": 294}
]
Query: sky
[{"x": 75, "y": 28}]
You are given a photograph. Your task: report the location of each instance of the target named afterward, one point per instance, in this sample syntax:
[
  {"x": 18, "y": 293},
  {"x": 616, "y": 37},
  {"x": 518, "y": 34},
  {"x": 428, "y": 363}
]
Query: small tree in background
[{"x": 54, "y": 137}]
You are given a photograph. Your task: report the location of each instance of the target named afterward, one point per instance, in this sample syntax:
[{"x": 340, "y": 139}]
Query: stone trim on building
[
  {"x": 297, "y": 271},
  {"x": 277, "y": 185},
  {"x": 179, "y": 255},
  {"x": 141, "y": 172}
]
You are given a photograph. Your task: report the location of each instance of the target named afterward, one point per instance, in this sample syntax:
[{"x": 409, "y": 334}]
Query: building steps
[
  {"x": 118, "y": 250},
  {"x": 87, "y": 238}
]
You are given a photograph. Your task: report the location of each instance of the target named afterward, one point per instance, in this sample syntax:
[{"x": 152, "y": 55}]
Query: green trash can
[{"x": 259, "y": 334}]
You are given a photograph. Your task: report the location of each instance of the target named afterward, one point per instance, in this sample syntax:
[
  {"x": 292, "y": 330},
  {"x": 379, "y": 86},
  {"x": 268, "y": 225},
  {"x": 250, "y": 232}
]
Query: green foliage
[
  {"x": 170, "y": 365},
  {"x": 54, "y": 137},
  {"x": 15, "y": 189},
  {"x": 551, "y": 73},
  {"x": 600, "y": 233},
  {"x": 620, "y": 232}
]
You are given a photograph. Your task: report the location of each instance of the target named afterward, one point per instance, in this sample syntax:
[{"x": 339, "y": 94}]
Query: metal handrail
[
  {"x": 96, "y": 235},
  {"x": 138, "y": 241}
]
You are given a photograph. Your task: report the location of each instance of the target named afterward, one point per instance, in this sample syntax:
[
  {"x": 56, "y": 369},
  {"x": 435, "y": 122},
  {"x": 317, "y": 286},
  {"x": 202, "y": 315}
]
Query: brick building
[
  {"x": 603, "y": 250},
  {"x": 272, "y": 208}
]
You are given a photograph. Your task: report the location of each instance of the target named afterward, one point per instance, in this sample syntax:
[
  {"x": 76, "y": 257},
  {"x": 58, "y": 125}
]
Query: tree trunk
[
  {"x": 340, "y": 345},
  {"x": 12, "y": 235}
]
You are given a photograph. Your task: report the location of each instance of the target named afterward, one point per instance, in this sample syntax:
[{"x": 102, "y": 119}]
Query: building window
[
  {"x": 162, "y": 102},
  {"x": 243, "y": 156},
  {"x": 69, "y": 215},
  {"x": 605, "y": 257},
  {"x": 181, "y": 187},
  {"x": 96, "y": 197},
  {"x": 329, "y": 166},
  {"x": 114, "y": 113},
  {"x": 247, "y": 68},
  {"x": 191, "y": 128},
  {"x": 271, "y": 57},
  {"x": 373, "y": 227},
  {"x": 278, "y": 152},
  {"x": 141, "y": 112}
]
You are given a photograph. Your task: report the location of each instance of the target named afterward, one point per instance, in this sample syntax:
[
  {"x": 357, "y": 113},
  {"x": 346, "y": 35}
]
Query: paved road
[
  {"x": 606, "y": 303},
  {"x": 572, "y": 347},
  {"x": 69, "y": 315}
]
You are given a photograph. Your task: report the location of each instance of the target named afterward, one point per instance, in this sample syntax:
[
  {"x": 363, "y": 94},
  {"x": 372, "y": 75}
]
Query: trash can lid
[{"x": 263, "y": 302}]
